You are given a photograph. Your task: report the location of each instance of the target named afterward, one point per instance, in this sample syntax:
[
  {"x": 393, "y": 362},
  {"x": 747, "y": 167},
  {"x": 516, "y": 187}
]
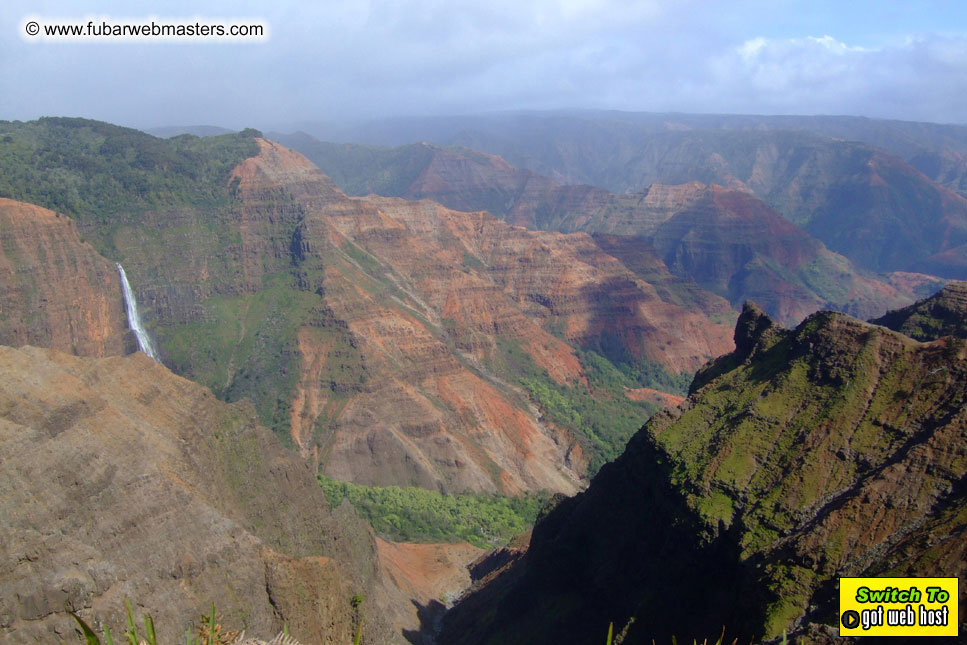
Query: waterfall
[{"x": 134, "y": 321}]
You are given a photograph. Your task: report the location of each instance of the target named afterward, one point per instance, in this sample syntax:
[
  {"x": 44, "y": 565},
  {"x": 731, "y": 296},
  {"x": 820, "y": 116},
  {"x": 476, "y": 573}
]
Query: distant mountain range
[
  {"x": 589, "y": 146},
  {"x": 882, "y": 193},
  {"x": 724, "y": 239}
]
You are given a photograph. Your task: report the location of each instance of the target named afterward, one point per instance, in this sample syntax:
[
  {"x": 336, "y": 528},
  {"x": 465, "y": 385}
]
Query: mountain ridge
[
  {"x": 819, "y": 181},
  {"x": 937, "y": 150},
  {"x": 943, "y": 314},
  {"x": 722, "y": 238},
  {"x": 829, "y": 450}
]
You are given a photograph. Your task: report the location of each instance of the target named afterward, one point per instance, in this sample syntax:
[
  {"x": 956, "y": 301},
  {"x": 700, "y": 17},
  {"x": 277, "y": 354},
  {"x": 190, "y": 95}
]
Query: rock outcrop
[
  {"x": 430, "y": 576},
  {"x": 943, "y": 314}
]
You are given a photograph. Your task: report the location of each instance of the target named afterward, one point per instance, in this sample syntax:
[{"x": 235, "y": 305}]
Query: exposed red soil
[
  {"x": 428, "y": 572},
  {"x": 664, "y": 399}
]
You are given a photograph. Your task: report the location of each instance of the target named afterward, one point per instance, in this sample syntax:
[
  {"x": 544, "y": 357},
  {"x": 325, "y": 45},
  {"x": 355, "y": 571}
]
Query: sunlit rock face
[
  {"x": 123, "y": 480},
  {"x": 55, "y": 290}
]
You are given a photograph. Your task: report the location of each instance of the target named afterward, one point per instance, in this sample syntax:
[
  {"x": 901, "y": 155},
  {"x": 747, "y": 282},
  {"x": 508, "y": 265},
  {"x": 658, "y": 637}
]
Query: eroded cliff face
[
  {"x": 122, "y": 480},
  {"x": 55, "y": 290},
  {"x": 713, "y": 228},
  {"x": 735, "y": 245},
  {"x": 509, "y": 278},
  {"x": 374, "y": 333},
  {"x": 381, "y": 398},
  {"x": 423, "y": 297},
  {"x": 863, "y": 202},
  {"x": 277, "y": 188},
  {"x": 835, "y": 449}
]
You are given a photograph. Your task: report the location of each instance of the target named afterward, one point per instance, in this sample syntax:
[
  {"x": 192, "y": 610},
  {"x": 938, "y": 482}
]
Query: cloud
[
  {"x": 362, "y": 58},
  {"x": 922, "y": 77}
]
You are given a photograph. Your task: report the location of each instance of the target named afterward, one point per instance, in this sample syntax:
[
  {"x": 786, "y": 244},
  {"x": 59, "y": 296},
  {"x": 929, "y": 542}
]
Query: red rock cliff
[{"x": 55, "y": 290}]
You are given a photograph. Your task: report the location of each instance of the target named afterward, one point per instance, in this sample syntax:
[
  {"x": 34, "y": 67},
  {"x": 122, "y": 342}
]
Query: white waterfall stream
[{"x": 134, "y": 321}]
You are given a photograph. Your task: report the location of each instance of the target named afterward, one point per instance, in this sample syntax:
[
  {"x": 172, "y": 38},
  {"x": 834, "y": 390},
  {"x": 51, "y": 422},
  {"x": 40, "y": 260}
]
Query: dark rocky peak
[
  {"x": 751, "y": 325},
  {"x": 754, "y": 332}
]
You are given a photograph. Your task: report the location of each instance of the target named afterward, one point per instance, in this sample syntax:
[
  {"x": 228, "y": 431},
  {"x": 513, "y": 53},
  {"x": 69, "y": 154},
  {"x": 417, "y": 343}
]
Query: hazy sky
[{"x": 338, "y": 59}]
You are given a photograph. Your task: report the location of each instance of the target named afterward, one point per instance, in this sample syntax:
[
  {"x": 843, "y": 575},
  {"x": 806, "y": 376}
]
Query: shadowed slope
[{"x": 835, "y": 449}]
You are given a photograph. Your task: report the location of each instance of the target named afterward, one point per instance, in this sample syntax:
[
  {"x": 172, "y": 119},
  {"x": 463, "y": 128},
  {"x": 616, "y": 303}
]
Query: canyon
[
  {"x": 344, "y": 323},
  {"x": 434, "y": 316},
  {"x": 721, "y": 235}
]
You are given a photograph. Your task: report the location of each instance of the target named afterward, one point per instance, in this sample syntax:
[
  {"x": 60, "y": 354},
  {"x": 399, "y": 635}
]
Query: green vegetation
[
  {"x": 619, "y": 375},
  {"x": 471, "y": 262},
  {"x": 241, "y": 350},
  {"x": 244, "y": 348},
  {"x": 410, "y": 514},
  {"x": 356, "y": 603},
  {"x": 131, "y": 635},
  {"x": 929, "y": 319},
  {"x": 859, "y": 390},
  {"x": 103, "y": 174},
  {"x": 210, "y": 632},
  {"x": 601, "y": 415},
  {"x": 365, "y": 260}
]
